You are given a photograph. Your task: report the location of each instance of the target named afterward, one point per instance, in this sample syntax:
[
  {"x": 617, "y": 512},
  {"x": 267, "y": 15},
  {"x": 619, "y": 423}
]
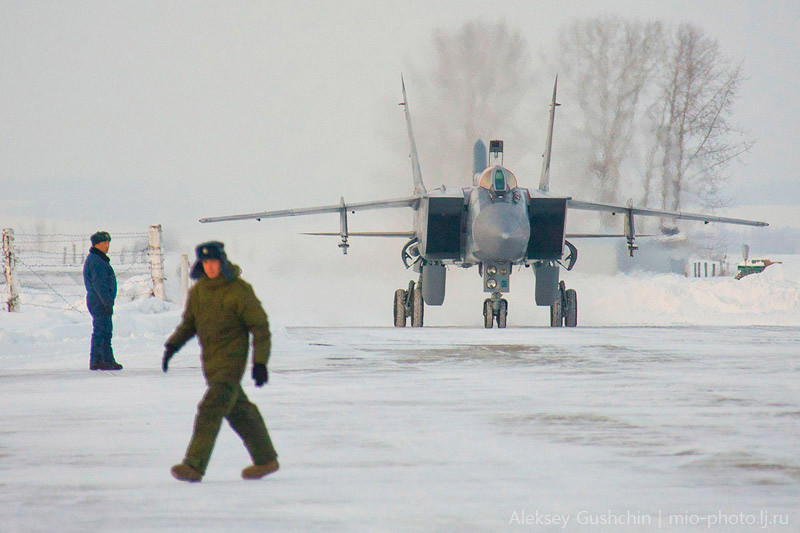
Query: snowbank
[{"x": 771, "y": 298}]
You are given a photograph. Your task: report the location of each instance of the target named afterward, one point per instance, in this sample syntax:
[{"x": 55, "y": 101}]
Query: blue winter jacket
[{"x": 100, "y": 282}]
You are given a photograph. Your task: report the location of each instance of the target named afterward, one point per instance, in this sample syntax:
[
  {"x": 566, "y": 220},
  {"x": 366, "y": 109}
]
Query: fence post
[
  {"x": 184, "y": 279},
  {"x": 156, "y": 262},
  {"x": 9, "y": 267}
]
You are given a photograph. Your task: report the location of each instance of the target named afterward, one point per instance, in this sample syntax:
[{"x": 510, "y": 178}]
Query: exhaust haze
[{"x": 162, "y": 113}]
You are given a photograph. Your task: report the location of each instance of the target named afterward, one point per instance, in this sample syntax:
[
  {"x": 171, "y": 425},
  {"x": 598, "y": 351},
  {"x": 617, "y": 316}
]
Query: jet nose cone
[{"x": 501, "y": 232}]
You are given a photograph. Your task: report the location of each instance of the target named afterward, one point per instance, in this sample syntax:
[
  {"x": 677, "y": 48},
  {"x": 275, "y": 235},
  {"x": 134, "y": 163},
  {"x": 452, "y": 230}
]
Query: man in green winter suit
[{"x": 222, "y": 310}]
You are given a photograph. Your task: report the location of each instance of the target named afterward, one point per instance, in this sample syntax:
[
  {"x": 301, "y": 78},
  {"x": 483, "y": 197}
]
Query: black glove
[
  {"x": 260, "y": 374},
  {"x": 168, "y": 353}
]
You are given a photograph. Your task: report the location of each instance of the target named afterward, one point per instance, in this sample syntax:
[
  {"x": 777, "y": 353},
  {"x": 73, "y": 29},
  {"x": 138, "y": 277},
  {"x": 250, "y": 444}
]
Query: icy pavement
[{"x": 440, "y": 429}]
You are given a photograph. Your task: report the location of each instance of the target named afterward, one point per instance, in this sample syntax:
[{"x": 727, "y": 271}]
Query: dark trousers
[
  {"x": 102, "y": 329},
  {"x": 228, "y": 400}
]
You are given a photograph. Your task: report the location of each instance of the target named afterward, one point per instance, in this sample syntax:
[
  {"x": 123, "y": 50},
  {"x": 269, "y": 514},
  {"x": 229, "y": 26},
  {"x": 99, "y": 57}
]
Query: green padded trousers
[{"x": 228, "y": 400}]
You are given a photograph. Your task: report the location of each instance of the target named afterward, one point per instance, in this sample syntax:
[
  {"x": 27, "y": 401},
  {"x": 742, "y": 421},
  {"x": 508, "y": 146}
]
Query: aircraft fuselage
[{"x": 497, "y": 226}]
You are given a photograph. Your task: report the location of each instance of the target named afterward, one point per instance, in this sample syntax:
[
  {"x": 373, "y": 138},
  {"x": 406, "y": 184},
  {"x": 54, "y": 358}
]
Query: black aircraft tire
[
  {"x": 556, "y": 317},
  {"x": 488, "y": 314},
  {"x": 399, "y": 308},
  {"x": 571, "y": 312},
  {"x": 502, "y": 314},
  {"x": 417, "y": 307}
]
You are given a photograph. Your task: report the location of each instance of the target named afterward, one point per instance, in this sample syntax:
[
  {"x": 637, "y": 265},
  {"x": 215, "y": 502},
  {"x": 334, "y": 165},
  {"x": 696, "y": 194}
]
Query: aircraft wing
[
  {"x": 402, "y": 234},
  {"x": 602, "y": 235},
  {"x": 630, "y": 210},
  {"x": 412, "y": 202}
]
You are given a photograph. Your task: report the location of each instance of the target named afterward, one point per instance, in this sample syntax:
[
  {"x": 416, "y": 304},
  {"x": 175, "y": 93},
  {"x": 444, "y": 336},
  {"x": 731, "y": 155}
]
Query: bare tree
[
  {"x": 650, "y": 102},
  {"x": 607, "y": 62},
  {"x": 480, "y": 80},
  {"x": 693, "y": 135},
  {"x": 655, "y": 102}
]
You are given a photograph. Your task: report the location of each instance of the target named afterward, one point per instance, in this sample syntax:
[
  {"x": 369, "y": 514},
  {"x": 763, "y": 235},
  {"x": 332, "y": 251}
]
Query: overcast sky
[
  {"x": 120, "y": 114},
  {"x": 213, "y": 107}
]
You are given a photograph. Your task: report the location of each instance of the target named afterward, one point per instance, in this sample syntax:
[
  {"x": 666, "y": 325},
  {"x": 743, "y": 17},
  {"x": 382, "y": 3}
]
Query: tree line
[{"x": 648, "y": 114}]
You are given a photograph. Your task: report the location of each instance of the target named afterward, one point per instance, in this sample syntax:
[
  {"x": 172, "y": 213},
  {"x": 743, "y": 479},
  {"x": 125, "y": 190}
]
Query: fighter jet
[{"x": 495, "y": 225}]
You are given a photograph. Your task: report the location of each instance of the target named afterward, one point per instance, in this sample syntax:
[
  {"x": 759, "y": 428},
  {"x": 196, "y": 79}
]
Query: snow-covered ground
[{"x": 687, "y": 414}]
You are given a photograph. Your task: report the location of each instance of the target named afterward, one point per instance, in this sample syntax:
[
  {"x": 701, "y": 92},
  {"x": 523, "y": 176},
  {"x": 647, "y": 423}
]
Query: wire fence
[{"x": 49, "y": 269}]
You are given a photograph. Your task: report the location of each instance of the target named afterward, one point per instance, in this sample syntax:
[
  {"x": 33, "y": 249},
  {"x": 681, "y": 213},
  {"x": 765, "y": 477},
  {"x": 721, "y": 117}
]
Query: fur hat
[
  {"x": 211, "y": 250},
  {"x": 100, "y": 236}
]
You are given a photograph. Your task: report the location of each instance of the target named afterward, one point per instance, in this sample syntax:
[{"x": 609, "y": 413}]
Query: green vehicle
[{"x": 751, "y": 266}]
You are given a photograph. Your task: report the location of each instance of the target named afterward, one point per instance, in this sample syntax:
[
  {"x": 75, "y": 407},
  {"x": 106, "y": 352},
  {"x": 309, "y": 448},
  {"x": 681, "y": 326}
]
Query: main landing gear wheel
[
  {"x": 409, "y": 303},
  {"x": 495, "y": 310},
  {"x": 571, "y": 312},
  {"x": 556, "y": 316},
  {"x": 417, "y": 306},
  {"x": 564, "y": 311},
  {"x": 400, "y": 308}
]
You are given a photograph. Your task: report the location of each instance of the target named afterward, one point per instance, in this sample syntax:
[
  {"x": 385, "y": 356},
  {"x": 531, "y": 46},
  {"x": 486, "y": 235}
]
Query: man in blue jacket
[{"x": 101, "y": 291}]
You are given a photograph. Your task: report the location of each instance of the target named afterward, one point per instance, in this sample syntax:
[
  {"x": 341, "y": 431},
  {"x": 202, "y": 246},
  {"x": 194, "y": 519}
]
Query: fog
[{"x": 117, "y": 116}]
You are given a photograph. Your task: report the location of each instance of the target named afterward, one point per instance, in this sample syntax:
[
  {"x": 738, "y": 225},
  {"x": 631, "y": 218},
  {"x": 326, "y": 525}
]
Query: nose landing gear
[{"x": 495, "y": 309}]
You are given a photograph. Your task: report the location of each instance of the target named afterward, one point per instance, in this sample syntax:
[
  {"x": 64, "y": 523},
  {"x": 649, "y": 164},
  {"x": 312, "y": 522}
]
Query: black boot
[{"x": 109, "y": 360}]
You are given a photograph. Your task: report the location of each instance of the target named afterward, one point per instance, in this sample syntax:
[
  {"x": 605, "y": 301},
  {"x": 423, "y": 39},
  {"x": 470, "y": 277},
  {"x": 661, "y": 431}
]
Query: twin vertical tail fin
[
  {"x": 419, "y": 187},
  {"x": 544, "y": 181}
]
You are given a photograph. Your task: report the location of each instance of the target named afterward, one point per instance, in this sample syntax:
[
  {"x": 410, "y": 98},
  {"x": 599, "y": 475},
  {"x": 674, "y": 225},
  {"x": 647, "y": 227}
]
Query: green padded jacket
[{"x": 223, "y": 313}]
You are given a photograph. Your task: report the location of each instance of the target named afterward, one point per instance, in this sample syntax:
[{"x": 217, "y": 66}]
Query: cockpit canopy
[{"x": 498, "y": 179}]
